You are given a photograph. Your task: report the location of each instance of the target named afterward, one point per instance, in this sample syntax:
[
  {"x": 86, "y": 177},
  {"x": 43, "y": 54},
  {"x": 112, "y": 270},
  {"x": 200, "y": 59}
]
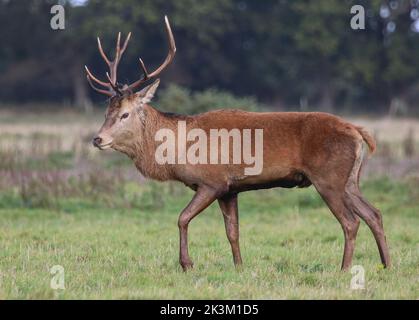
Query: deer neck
[{"x": 142, "y": 151}]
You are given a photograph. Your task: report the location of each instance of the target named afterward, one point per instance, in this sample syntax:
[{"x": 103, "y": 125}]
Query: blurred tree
[
  {"x": 25, "y": 47},
  {"x": 401, "y": 71}
]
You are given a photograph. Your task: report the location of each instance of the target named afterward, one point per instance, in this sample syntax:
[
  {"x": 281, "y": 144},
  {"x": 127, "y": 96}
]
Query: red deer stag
[{"x": 299, "y": 149}]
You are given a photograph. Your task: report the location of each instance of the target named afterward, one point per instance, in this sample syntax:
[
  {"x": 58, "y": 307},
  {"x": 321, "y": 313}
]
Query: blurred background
[
  {"x": 286, "y": 54},
  {"x": 255, "y": 55}
]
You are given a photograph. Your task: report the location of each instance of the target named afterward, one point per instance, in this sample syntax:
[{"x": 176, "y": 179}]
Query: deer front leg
[
  {"x": 228, "y": 205},
  {"x": 203, "y": 197}
]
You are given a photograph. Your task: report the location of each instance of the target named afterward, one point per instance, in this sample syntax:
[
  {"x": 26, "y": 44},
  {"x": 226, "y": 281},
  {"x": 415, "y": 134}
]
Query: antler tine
[
  {"x": 99, "y": 44},
  {"x": 125, "y": 43},
  {"x": 172, "y": 50},
  {"x": 113, "y": 85},
  {"x": 143, "y": 69},
  {"x": 167, "y": 61},
  {"x": 105, "y": 92},
  {"x": 105, "y": 84},
  {"x": 118, "y": 47},
  {"x": 170, "y": 35}
]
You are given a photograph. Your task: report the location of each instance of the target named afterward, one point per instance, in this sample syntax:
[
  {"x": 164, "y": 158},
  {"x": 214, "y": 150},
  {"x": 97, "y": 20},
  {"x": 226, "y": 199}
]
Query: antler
[
  {"x": 166, "y": 62},
  {"x": 112, "y": 86}
]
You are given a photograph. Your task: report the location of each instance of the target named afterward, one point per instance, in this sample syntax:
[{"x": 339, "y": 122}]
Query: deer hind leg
[
  {"x": 330, "y": 180},
  {"x": 334, "y": 198},
  {"x": 228, "y": 205},
  {"x": 371, "y": 215}
]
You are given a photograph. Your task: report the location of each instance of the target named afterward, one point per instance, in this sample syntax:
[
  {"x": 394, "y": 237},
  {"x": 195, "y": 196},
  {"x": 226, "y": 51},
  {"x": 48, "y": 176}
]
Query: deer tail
[{"x": 369, "y": 140}]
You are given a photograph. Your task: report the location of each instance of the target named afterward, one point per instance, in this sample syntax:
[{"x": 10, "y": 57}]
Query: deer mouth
[{"x": 104, "y": 146}]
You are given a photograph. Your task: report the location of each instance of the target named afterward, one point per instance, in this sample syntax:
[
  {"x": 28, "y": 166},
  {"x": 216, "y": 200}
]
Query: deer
[{"x": 300, "y": 149}]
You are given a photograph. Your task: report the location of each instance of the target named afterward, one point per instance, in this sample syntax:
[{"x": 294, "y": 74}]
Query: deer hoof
[{"x": 186, "y": 265}]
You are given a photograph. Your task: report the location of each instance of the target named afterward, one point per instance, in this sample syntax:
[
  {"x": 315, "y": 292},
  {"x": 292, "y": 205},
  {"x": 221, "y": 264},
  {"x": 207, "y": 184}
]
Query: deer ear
[{"x": 146, "y": 94}]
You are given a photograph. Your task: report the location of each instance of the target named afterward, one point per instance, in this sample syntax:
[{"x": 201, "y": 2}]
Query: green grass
[{"x": 291, "y": 247}]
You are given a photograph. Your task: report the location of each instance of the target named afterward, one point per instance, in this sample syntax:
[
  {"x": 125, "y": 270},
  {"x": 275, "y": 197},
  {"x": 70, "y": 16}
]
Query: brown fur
[{"x": 300, "y": 149}]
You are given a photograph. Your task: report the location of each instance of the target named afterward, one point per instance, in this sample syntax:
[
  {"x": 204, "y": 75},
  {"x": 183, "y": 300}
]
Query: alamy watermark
[
  {"x": 358, "y": 20},
  {"x": 213, "y": 149},
  {"x": 57, "y": 281},
  {"x": 358, "y": 279},
  {"x": 57, "y": 21}
]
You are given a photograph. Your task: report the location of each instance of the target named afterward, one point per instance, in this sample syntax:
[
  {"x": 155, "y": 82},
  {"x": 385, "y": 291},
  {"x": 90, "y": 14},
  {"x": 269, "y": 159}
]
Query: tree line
[{"x": 288, "y": 54}]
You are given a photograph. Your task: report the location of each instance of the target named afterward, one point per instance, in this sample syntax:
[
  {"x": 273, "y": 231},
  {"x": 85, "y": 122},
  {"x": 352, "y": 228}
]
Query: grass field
[
  {"x": 291, "y": 246},
  {"x": 64, "y": 203}
]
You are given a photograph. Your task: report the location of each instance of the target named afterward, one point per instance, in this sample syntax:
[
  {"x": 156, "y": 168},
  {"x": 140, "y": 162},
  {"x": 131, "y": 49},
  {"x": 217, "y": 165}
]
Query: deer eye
[{"x": 125, "y": 115}]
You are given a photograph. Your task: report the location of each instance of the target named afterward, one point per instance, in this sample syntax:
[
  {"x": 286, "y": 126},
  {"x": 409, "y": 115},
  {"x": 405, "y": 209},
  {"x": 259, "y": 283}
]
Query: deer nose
[{"x": 97, "y": 141}]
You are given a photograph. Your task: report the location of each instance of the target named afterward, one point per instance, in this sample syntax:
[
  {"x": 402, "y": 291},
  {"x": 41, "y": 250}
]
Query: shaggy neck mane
[{"x": 142, "y": 151}]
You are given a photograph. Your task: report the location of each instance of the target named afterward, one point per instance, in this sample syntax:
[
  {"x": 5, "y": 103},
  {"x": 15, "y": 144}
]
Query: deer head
[{"x": 124, "y": 115}]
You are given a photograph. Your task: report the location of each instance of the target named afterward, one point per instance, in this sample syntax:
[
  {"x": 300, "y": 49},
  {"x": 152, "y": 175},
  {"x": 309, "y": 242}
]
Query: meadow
[{"x": 116, "y": 237}]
